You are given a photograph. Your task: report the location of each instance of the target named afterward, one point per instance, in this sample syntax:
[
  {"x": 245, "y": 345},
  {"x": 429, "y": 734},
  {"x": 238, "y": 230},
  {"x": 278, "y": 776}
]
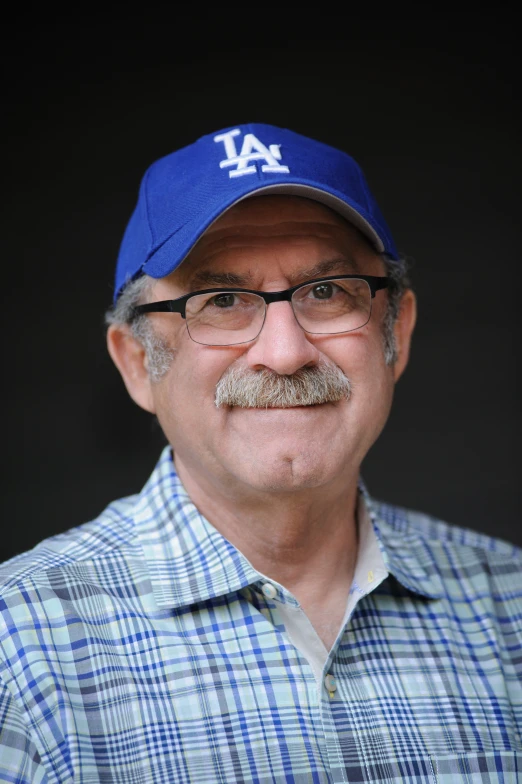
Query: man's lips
[{"x": 281, "y": 408}]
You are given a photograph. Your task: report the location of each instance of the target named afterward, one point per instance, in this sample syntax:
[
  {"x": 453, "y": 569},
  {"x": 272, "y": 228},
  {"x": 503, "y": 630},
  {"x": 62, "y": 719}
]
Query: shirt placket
[{"x": 323, "y": 692}]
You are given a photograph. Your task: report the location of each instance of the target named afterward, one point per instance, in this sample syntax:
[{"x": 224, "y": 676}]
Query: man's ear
[
  {"x": 403, "y": 330},
  {"x": 129, "y": 356}
]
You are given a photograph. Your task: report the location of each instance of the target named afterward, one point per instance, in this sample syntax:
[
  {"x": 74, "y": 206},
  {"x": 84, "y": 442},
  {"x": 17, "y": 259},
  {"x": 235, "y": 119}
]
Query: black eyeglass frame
[{"x": 179, "y": 305}]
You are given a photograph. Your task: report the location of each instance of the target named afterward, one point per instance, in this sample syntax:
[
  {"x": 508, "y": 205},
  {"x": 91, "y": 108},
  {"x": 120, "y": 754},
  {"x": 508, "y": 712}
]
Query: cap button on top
[{"x": 269, "y": 590}]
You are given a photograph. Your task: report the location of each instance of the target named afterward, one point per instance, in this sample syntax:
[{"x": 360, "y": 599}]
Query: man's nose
[{"x": 282, "y": 345}]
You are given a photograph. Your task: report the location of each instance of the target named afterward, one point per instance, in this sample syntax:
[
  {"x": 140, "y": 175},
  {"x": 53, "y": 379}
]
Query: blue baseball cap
[{"x": 183, "y": 193}]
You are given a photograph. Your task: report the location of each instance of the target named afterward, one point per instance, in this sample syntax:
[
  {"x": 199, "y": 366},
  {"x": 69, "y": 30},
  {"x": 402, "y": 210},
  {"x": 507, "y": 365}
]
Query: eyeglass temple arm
[
  {"x": 165, "y": 306},
  {"x": 377, "y": 283}
]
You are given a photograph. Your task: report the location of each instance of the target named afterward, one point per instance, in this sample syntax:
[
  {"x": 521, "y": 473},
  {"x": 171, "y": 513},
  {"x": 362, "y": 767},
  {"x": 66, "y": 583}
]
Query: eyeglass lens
[{"x": 322, "y": 308}]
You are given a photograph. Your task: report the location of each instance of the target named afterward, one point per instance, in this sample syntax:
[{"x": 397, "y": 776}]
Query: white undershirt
[{"x": 369, "y": 572}]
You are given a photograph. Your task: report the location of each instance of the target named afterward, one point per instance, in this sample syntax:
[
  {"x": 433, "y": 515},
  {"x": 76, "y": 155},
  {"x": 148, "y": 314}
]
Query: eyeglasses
[{"x": 228, "y": 317}]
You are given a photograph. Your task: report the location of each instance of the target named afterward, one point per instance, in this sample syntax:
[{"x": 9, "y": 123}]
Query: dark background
[{"x": 431, "y": 110}]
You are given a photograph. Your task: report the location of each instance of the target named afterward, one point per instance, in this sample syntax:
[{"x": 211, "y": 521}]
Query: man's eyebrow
[
  {"x": 210, "y": 278},
  {"x": 342, "y": 265}
]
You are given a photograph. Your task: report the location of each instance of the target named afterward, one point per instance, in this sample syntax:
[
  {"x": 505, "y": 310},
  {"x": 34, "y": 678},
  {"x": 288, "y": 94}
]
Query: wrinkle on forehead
[
  {"x": 203, "y": 278},
  {"x": 257, "y": 223}
]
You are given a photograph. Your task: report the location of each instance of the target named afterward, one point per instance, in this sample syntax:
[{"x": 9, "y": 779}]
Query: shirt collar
[
  {"x": 403, "y": 549},
  {"x": 189, "y": 561}
]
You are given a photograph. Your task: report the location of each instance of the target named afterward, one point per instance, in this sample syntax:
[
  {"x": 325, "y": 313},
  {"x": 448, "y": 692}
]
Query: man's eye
[
  {"x": 226, "y": 300},
  {"x": 323, "y": 290}
]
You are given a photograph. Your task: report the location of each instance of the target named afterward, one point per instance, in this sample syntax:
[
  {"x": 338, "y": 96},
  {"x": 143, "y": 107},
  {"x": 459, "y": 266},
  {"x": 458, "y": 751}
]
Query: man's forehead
[{"x": 262, "y": 220}]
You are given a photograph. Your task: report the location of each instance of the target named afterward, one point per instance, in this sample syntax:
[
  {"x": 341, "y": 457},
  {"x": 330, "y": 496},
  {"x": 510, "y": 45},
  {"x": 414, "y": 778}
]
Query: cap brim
[{"x": 162, "y": 263}]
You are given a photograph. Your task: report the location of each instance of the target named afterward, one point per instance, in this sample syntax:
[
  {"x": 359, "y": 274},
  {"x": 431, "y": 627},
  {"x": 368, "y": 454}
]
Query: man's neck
[{"x": 306, "y": 541}]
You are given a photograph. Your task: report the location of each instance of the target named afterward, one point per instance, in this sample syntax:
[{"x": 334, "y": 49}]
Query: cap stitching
[
  {"x": 366, "y": 189},
  {"x": 147, "y": 215}
]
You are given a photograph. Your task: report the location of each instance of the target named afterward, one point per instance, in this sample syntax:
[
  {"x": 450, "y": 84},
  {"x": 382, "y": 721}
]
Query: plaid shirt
[{"x": 139, "y": 648}]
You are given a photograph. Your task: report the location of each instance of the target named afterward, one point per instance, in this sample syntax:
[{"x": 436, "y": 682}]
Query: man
[{"x": 253, "y": 615}]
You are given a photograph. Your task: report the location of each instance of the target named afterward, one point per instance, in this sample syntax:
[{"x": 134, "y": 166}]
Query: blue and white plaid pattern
[{"x": 138, "y": 648}]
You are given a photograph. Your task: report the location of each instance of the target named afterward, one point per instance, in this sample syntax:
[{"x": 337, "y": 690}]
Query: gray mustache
[{"x": 308, "y": 386}]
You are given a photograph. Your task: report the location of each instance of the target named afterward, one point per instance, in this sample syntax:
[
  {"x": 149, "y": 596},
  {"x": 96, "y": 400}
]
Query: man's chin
[{"x": 287, "y": 471}]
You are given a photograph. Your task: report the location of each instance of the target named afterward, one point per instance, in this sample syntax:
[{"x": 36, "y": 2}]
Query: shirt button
[
  {"x": 330, "y": 683},
  {"x": 269, "y": 590}
]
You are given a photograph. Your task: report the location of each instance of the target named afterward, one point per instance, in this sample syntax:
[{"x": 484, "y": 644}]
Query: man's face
[{"x": 270, "y": 243}]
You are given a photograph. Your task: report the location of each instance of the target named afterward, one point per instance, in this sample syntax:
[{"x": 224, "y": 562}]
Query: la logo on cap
[{"x": 251, "y": 150}]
